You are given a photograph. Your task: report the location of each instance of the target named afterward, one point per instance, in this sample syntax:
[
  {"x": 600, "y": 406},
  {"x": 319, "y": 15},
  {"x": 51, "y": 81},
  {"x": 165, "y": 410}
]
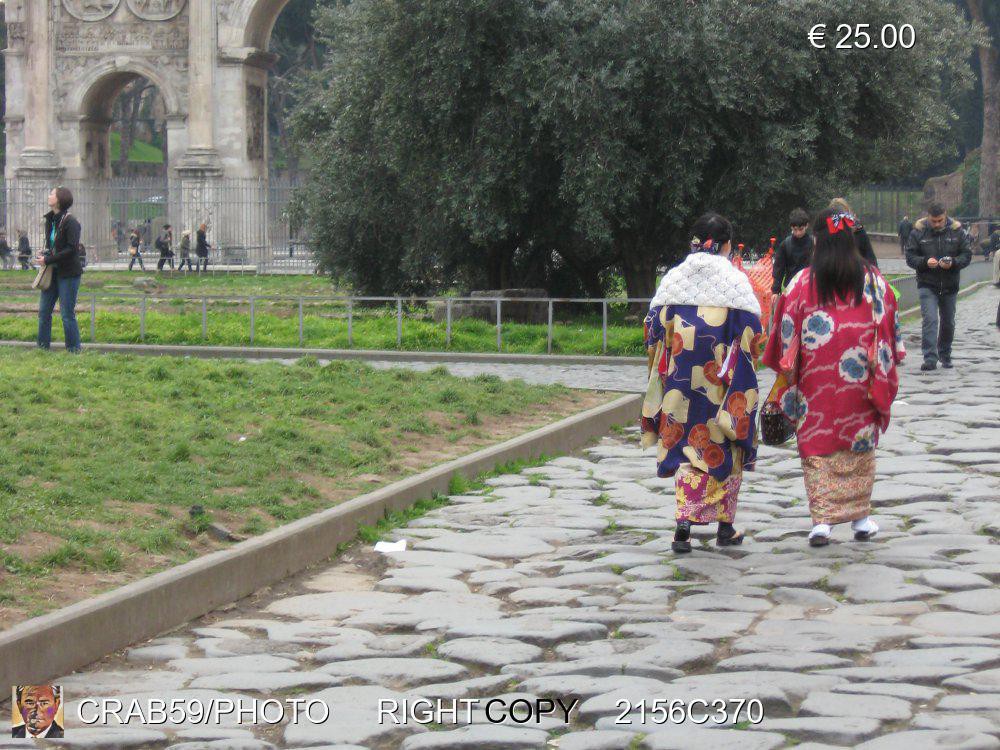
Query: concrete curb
[
  {"x": 250, "y": 352},
  {"x": 55, "y": 644}
]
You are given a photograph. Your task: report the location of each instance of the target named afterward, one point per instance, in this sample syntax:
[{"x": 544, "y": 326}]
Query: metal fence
[
  {"x": 881, "y": 209},
  {"x": 339, "y": 316},
  {"x": 248, "y": 220}
]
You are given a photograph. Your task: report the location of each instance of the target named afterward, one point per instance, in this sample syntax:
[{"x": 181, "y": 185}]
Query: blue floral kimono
[{"x": 702, "y": 395}]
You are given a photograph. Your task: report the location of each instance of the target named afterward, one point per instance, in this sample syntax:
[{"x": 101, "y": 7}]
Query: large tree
[{"x": 547, "y": 141}]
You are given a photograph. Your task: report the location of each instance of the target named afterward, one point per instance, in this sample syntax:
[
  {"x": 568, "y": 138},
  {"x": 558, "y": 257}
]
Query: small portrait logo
[{"x": 36, "y": 711}]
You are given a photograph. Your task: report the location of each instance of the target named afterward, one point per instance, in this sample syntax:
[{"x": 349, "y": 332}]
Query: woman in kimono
[
  {"x": 836, "y": 339},
  {"x": 703, "y": 335}
]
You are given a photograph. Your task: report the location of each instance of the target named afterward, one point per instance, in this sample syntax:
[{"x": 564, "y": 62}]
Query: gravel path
[{"x": 559, "y": 582}]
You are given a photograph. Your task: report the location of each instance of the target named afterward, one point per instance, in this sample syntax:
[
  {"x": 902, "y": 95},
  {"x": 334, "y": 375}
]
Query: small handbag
[
  {"x": 43, "y": 280},
  {"x": 775, "y": 426}
]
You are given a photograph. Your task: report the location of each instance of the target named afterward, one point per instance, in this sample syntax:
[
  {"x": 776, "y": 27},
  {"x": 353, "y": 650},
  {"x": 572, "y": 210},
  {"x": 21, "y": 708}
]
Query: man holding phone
[{"x": 938, "y": 249}]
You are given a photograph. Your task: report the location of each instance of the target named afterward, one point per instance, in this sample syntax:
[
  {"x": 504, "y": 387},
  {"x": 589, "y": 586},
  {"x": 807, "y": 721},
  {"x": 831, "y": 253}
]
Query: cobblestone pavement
[{"x": 559, "y": 582}]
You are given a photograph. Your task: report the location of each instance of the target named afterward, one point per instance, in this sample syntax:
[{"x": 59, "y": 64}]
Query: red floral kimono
[{"x": 839, "y": 402}]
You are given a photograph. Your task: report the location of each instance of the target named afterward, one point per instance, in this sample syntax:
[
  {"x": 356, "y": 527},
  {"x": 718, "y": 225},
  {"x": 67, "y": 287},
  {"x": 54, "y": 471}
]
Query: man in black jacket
[
  {"x": 795, "y": 251},
  {"x": 938, "y": 249}
]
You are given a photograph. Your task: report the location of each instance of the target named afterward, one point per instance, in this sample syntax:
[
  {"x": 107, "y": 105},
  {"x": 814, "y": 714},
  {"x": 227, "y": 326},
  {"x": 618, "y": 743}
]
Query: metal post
[
  {"x": 253, "y": 317},
  {"x": 350, "y": 324},
  {"x": 447, "y": 309},
  {"x": 499, "y": 328},
  {"x": 93, "y": 318},
  {"x": 399, "y": 322},
  {"x": 604, "y": 326},
  {"x": 301, "y": 339},
  {"x": 204, "y": 319},
  {"x": 142, "y": 320},
  {"x": 549, "y": 347}
]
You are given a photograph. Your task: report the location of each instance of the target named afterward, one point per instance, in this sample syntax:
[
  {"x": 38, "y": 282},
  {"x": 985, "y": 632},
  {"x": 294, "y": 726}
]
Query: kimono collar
[{"x": 707, "y": 280}]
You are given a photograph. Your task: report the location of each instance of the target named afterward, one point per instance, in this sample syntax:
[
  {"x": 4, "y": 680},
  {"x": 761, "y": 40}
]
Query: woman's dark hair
[
  {"x": 711, "y": 226},
  {"x": 838, "y": 270},
  {"x": 65, "y": 197}
]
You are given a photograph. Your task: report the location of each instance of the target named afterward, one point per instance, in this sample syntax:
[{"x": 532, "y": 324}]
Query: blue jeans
[
  {"x": 64, "y": 290},
  {"x": 935, "y": 340}
]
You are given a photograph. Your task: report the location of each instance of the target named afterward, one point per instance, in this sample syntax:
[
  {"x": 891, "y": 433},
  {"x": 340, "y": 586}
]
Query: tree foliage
[{"x": 552, "y": 142}]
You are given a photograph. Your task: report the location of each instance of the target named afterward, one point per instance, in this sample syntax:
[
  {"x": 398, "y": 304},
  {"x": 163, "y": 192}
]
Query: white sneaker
[
  {"x": 864, "y": 529},
  {"x": 820, "y": 535}
]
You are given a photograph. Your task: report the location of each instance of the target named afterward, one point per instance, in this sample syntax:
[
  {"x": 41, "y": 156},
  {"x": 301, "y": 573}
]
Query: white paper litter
[{"x": 399, "y": 546}]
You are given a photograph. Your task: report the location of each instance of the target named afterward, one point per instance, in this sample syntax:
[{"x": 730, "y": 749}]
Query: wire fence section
[
  {"x": 249, "y": 223},
  {"x": 611, "y": 326}
]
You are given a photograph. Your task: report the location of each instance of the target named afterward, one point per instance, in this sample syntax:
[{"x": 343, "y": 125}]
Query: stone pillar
[
  {"x": 201, "y": 158},
  {"x": 38, "y": 159}
]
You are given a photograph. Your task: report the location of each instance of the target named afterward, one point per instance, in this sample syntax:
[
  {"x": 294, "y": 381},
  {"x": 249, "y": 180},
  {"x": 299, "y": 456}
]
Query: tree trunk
[{"x": 989, "y": 66}]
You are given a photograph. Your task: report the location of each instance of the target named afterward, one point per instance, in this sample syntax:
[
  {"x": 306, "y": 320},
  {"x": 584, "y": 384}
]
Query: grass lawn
[
  {"x": 325, "y": 323},
  {"x": 103, "y": 456}
]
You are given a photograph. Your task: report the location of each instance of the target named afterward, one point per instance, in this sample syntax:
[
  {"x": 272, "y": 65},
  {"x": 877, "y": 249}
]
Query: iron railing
[{"x": 249, "y": 223}]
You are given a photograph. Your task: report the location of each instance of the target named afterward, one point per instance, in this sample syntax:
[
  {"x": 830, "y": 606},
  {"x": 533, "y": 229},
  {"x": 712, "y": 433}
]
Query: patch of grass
[
  {"x": 617, "y": 569},
  {"x": 611, "y": 528},
  {"x": 114, "y": 496},
  {"x": 679, "y": 574},
  {"x": 396, "y": 518},
  {"x": 601, "y": 499}
]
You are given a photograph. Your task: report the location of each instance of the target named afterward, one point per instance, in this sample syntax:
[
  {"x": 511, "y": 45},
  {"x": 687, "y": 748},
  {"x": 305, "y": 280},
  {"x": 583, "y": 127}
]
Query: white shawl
[{"x": 707, "y": 280}]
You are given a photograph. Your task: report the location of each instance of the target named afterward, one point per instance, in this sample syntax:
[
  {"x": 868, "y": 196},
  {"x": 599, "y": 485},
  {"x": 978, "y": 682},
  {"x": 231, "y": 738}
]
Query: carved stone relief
[
  {"x": 255, "y": 122},
  {"x": 91, "y": 10},
  {"x": 156, "y": 10},
  {"x": 85, "y": 37}
]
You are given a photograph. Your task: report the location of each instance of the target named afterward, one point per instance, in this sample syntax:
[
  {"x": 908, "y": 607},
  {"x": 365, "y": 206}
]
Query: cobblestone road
[{"x": 559, "y": 582}]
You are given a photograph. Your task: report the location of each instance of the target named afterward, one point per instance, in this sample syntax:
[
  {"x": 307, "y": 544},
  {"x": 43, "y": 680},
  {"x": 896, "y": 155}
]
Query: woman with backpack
[
  {"x": 135, "y": 249},
  {"x": 62, "y": 254}
]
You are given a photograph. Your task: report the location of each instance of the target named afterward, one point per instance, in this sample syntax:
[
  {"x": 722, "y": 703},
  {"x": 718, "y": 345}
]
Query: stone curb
[
  {"x": 55, "y": 644},
  {"x": 961, "y": 293},
  {"x": 250, "y": 352}
]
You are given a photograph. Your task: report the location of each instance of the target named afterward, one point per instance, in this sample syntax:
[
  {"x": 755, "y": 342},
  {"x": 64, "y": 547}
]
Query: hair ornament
[{"x": 838, "y": 221}]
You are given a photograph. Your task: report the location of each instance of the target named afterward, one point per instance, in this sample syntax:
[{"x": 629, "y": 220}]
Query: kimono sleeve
[
  {"x": 781, "y": 352},
  {"x": 737, "y": 414},
  {"x": 658, "y": 332}
]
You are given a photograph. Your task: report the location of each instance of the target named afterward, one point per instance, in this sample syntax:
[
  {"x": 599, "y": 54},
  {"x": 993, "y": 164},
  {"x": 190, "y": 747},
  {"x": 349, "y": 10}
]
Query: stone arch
[
  {"x": 91, "y": 103},
  {"x": 255, "y": 19}
]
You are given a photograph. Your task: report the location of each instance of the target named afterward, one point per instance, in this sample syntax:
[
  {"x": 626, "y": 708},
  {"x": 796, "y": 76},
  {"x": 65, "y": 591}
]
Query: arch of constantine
[{"x": 66, "y": 63}]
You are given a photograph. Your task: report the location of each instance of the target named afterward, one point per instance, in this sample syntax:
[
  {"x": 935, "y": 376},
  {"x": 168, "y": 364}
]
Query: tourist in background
[
  {"x": 795, "y": 251},
  {"x": 135, "y": 249},
  {"x": 163, "y": 244},
  {"x": 703, "y": 335},
  {"x": 185, "y": 250},
  {"x": 23, "y": 250},
  {"x": 62, "y": 252},
  {"x": 6, "y": 254},
  {"x": 836, "y": 339},
  {"x": 861, "y": 239},
  {"x": 202, "y": 247},
  {"x": 905, "y": 227},
  {"x": 938, "y": 249}
]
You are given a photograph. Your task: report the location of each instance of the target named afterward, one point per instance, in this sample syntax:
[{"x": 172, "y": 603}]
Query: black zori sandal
[
  {"x": 682, "y": 537},
  {"x": 728, "y": 536}
]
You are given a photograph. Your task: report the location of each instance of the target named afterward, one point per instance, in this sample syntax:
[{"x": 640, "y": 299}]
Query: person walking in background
[
  {"x": 938, "y": 249},
  {"x": 703, "y": 334},
  {"x": 836, "y": 340},
  {"x": 135, "y": 249},
  {"x": 23, "y": 250},
  {"x": 6, "y": 254},
  {"x": 202, "y": 247},
  {"x": 795, "y": 251},
  {"x": 163, "y": 244},
  {"x": 62, "y": 252},
  {"x": 905, "y": 227},
  {"x": 861, "y": 239},
  {"x": 185, "y": 250}
]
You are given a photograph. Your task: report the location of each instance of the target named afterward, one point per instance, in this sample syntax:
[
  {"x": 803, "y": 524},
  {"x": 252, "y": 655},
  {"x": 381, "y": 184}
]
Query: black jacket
[
  {"x": 864, "y": 244},
  {"x": 905, "y": 227},
  {"x": 23, "y": 248},
  {"x": 201, "y": 245},
  {"x": 4, "y": 248},
  {"x": 64, "y": 253},
  {"x": 791, "y": 257},
  {"x": 924, "y": 243}
]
